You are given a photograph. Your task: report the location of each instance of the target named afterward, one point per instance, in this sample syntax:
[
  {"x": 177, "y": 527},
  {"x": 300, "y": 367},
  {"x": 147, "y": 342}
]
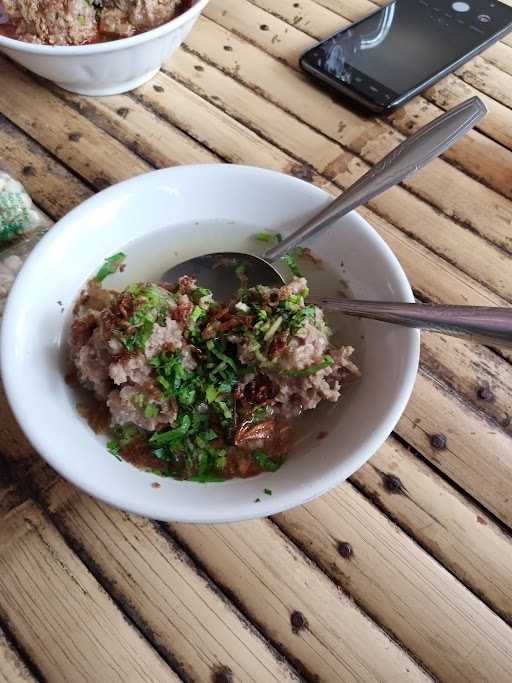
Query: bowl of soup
[
  {"x": 218, "y": 413},
  {"x": 95, "y": 47}
]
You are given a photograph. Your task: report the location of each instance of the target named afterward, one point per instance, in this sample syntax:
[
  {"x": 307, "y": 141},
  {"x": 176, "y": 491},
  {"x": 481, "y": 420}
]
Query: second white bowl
[{"x": 105, "y": 68}]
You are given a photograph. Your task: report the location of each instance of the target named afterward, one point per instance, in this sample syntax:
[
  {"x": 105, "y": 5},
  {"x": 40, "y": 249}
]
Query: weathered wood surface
[{"x": 401, "y": 574}]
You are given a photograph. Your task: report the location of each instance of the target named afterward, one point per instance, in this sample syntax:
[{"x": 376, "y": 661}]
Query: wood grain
[
  {"x": 477, "y": 455},
  {"x": 272, "y": 579},
  {"x": 42, "y": 176},
  {"x": 65, "y": 622},
  {"x": 12, "y": 667},
  {"x": 178, "y": 608},
  {"x": 454, "y": 530},
  {"x": 146, "y": 133},
  {"x": 445, "y": 625},
  {"x": 95, "y": 156}
]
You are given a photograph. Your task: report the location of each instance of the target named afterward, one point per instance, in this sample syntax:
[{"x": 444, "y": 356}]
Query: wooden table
[{"x": 404, "y": 573}]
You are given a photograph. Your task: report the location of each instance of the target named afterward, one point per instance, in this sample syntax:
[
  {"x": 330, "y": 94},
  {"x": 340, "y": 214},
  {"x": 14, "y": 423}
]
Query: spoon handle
[
  {"x": 491, "y": 326},
  {"x": 411, "y": 155}
]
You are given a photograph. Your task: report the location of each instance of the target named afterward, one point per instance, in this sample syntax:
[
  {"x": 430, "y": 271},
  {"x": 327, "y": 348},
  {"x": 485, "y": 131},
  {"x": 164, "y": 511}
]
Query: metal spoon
[
  {"x": 218, "y": 271},
  {"x": 491, "y": 326}
]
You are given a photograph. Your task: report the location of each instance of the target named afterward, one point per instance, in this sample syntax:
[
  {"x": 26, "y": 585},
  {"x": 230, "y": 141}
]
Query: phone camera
[
  {"x": 484, "y": 18},
  {"x": 461, "y": 7}
]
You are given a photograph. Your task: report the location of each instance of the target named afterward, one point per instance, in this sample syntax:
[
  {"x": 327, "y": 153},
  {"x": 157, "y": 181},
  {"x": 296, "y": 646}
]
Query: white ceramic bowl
[
  {"x": 163, "y": 218},
  {"x": 105, "y": 68}
]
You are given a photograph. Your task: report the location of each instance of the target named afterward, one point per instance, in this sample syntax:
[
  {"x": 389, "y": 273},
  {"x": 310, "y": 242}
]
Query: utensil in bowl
[
  {"x": 218, "y": 271},
  {"x": 481, "y": 324}
]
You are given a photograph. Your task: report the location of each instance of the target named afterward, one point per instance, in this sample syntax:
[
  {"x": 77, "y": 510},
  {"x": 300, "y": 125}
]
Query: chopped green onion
[
  {"x": 211, "y": 393},
  {"x": 207, "y": 478},
  {"x": 220, "y": 459},
  {"x": 267, "y": 492},
  {"x": 111, "y": 265},
  {"x": 172, "y": 435},
  {"x": 197, "y": 313},
  {"x": 113, "y": 448},
  {"x": 312, "y": 370},
  {"x": 186, "y": 396},
  {"x": 139, "y": 400},
  {"x": 164, "y": 454},
  {"x": 269, "y": 236},
  {"x": 151, "y": 410},
  {"x": 265, "y": 462},
  {"x": 128, "y": 434},
  {"x": 292, "y": 264},
  {"x": 273, "y": 329},
  {"x": 228, "y": 414}
]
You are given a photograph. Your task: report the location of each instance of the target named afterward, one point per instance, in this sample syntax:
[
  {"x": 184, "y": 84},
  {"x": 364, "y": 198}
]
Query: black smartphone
[{"x": 387, "y": 58}]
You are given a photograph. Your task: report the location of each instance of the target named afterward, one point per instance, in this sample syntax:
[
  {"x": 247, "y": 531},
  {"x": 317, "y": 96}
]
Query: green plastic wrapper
[{"x": 17, "y": 213}]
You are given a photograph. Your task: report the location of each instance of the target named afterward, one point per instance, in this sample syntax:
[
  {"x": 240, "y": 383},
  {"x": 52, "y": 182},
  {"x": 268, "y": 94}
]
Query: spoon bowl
[{"x": 225, "y": 272}]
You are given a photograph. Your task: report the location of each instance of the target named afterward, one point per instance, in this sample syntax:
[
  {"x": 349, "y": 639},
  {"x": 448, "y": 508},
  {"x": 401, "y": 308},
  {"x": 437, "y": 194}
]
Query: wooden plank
[
  {"x": 450, "y": 527},
  {"x": 273, "y": 580},
  {"x": 289, "y": 90},
  {"x": 450, "y": 630},
  {"x": 66, "y": 623},
  {"x": 500, "y": 55},
  {"x": 451, "y": 91},
  {"x": 477, "y": 453},
  {"x": 12, "y": 668},
  {"x": 469, "y": 201},
  {"x": 474, "y": 372},
  {"x": 41, "y": 175},
  {"x": 77, "y": 142},
  {"x": 213, "y": 128},
  {"x": 122, "y": 118},
  {"x": 419, "y": 262},
  {"x": 487, "y": 78},
  {"x": 476, "y": 154},
  {"x": 164, "y": 592},
  {"x": 449, "y": 285}
]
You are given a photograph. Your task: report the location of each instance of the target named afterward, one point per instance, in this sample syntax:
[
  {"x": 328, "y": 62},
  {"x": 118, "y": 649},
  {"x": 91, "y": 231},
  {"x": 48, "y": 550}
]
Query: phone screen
[{"x": 407, "y": 43}]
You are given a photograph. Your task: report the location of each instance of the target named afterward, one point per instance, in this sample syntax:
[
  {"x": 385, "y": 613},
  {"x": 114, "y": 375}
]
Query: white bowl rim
[
  {"x": 108, "y": 46},
  {"x": 294, "y": 497}
]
